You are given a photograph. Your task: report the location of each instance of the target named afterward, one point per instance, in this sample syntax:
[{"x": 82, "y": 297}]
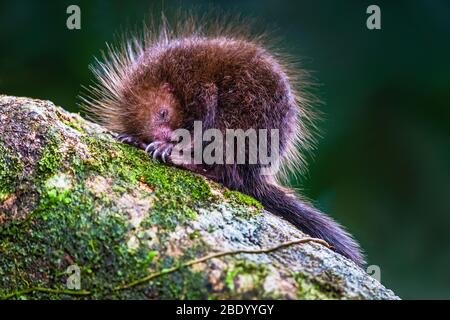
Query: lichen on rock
[{"x": 71, "y": 195}]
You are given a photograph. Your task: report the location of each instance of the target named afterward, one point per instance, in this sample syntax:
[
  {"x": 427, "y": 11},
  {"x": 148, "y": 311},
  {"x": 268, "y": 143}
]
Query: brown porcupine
[{"x": 218, "y": 75}]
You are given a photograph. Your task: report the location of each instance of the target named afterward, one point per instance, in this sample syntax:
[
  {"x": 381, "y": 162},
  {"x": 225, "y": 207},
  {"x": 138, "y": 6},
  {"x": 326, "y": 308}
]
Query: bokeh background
[{"x": 382, "y": 167}]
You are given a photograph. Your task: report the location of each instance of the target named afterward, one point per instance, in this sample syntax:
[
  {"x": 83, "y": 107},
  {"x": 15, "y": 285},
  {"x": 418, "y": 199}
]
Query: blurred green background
[{"x": 382, "y": 167}]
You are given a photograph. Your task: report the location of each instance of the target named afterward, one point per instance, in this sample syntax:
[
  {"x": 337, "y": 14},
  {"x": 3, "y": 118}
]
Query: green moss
[
  {"x": 314, "y": 289},
  {"x": 178, "y": 193},
  {"x": 58, "y": 189},
  {"x": 194, "y": 235},
  {"x": 73, "y": 124},
  {"x": 151, "y": 256},
  {"x": 71, "y": 121},
  {"x": 70, "y": 223},
  {"x": 242, "y": 199},
  {"x": 250, "y": 277},
  {"x": 185, "y": 284},
  {"x": 10, "y": 169},
  {"x": 50, "y": 159}
]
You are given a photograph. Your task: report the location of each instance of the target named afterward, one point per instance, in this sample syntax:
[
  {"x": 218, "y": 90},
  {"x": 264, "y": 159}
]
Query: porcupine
[{"x": 227, "y": 79}]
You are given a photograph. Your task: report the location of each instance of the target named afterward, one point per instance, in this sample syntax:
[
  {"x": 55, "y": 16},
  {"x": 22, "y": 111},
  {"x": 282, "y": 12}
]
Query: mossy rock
[{"x": 73, "y": 199}]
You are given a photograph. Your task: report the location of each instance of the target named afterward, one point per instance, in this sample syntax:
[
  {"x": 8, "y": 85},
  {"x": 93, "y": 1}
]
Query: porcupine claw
[
  {"x": 160, "y": 150},
  {"x": 132, "y": 141}
]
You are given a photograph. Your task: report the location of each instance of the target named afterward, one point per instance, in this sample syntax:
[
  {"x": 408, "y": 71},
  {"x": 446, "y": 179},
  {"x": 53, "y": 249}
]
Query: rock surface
[{"x": 83, "y": 216}]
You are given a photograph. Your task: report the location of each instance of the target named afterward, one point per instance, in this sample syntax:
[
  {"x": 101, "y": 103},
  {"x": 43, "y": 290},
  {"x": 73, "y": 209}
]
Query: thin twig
[
  {"x": 170, "y": 270},
  {"x": 45, "y": 290},
  {"x": 218, "y": 255}
]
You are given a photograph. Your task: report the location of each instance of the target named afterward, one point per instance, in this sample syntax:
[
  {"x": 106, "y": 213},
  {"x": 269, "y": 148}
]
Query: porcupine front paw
[
  {"x": 132, "y": 141},
  {"x": 160, "y": 150}
]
